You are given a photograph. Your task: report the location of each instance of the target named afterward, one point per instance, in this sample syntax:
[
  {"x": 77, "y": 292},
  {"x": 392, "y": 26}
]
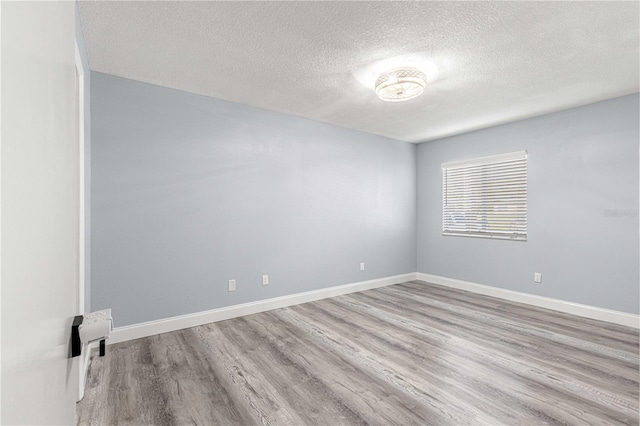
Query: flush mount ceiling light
[{"x": 400, "y": 84}]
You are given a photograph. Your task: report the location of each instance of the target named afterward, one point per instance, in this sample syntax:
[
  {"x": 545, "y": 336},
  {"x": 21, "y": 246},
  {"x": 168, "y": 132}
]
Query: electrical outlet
[
  {"x": 265, "y": 280},
  {"x": 537, "y": 277},
  {"x": 232, "y": 285},
  {"x": 362, "y": 266}
]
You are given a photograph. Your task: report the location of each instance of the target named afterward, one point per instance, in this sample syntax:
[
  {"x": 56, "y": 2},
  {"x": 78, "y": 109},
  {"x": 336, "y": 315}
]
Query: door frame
[{"x": 80, "y": 306}]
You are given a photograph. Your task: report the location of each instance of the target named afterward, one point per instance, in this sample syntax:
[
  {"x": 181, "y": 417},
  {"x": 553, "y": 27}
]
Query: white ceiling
[{"x": 487, "y": 62}]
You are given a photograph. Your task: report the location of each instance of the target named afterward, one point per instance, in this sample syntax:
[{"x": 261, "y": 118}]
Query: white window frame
[{"x": 486, "y": 197}]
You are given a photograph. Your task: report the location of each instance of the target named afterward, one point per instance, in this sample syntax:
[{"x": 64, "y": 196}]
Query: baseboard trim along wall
[
  {"x": 616, "y": 317},
  {"x": 137, "y": 331}
]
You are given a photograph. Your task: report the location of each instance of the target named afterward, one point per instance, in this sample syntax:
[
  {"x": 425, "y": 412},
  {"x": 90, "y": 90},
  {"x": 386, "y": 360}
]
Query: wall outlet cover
[{"x": 232, "y": 285}]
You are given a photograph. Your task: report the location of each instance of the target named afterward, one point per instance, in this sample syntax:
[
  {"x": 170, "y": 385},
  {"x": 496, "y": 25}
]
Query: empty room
[{"x": 319, "y": 213}]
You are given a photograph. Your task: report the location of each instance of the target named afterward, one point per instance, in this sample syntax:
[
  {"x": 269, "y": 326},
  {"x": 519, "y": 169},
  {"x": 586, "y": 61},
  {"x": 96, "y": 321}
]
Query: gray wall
[
  {"x": 190, "y": 191},
  {"x": 581, "y": 163},
  {"x": 79, "y": 35}
]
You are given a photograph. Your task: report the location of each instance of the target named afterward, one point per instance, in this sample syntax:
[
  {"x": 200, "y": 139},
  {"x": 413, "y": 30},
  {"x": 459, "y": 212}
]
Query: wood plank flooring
[{"x": 412, "y": 353}]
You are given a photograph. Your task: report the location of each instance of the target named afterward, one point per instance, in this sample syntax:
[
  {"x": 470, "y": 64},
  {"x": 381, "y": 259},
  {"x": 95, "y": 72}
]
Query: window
[{"x": 486, "y": 197}]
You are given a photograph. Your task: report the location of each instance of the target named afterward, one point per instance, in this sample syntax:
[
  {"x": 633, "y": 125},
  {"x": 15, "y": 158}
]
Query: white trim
[
  {"x": 0, "y": 208},
  {"x": 511, "y": 156},
  {"x": 616, "y": 317},
  {"x": 137, "y": 331},
  {"x": 81, "y": 217},
  {"x": 83, "y": 360},
  {"x": 145, "y": 329}
]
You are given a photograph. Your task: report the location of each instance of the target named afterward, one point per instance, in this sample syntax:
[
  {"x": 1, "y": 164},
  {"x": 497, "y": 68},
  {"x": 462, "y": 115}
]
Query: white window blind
[{"x": 486, "y": 197}]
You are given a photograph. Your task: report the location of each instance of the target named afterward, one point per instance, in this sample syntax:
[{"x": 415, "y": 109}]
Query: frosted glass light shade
[{"x": 400, "y": 84}]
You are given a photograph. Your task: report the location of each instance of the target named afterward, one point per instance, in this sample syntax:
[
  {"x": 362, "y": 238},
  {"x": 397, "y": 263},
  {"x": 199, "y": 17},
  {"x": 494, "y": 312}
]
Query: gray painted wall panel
[
  {"x": 581, "y": 163},
  {"x": 190, "y": 191}
]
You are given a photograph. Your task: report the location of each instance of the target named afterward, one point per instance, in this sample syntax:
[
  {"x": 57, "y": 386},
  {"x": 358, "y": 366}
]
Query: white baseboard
[
  {"x": 616, "y": 317},
  {"x": 137, "y": 331}
]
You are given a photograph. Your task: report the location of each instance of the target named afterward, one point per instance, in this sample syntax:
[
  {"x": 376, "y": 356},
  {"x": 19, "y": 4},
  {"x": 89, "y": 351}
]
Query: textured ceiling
[{"x": 487, "y": 62}]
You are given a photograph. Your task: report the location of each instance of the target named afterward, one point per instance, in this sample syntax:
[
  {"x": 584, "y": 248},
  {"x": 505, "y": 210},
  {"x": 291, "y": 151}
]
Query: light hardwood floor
[{"x": 412, "y": 353}]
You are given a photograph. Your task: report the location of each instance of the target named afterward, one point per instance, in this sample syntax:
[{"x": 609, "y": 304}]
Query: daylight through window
[{"x": 486, "y": 197}]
